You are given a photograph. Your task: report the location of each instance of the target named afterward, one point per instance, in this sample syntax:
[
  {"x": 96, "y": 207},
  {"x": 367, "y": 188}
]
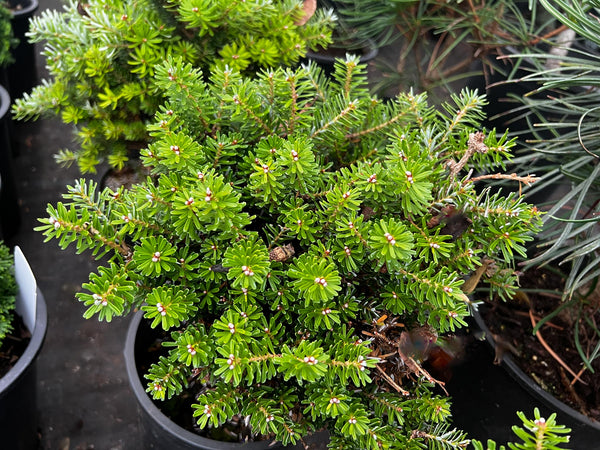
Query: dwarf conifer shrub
[
  {"x": 304, "y": 245},
  {"x": 102, "y": 55}
]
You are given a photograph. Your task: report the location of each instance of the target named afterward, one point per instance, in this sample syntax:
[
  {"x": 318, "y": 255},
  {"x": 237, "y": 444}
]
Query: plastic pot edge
[
  {"x": 160, "y": 420},
  {"x": 526, "y": 382},
  {"x": 28, "y": 11},
  {"x": 33, "y": 349},
  {"x": 4, "y": 101},
  {"x": 369, "y": 55}
]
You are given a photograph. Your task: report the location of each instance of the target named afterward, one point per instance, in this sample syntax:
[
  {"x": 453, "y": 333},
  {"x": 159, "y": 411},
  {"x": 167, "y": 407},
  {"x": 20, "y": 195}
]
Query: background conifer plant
[
  {"x": 102, "y": 55},
  {"x": 8, "y": 290},
  {"x": 560, "y": 114},
  {"x": 303, "y": 246},
  {"x": 435, "y": 45},
  {"x": 7, "y": 39}
]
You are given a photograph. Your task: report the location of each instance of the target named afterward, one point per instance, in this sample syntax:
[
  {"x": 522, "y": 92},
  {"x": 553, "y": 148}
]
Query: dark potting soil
[
  {"x": 14, "y": 345},
  {"x": 126, "y": 177},
  {"x": 511, "y": 326}
]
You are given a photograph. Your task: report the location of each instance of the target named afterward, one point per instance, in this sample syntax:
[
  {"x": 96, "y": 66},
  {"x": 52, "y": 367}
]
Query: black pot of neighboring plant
[
  {"x": 506, "y": 366},
  {"x": 18, "y": 423},
  {"x": 550, "y": 328},
  {"x": 501, "y": 388},
  {"x": 433, "y": 45},
  {"x": 22, "y": 74},
  {"x": 344, "y": 43},
  {"x": 9, "y": 210},
  {"x": 160, "y": 431},
  {"x": 326, "y": 57}
]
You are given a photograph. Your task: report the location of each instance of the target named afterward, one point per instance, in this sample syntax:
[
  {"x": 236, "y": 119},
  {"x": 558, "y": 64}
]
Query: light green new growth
[
  {"x": 536, "y": 434},
  {"x": 102, "y": 58}
]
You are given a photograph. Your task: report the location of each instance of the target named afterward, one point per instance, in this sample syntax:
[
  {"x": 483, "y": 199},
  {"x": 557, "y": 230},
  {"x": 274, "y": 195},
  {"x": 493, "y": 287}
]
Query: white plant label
[{"x": 27, "y": 294}]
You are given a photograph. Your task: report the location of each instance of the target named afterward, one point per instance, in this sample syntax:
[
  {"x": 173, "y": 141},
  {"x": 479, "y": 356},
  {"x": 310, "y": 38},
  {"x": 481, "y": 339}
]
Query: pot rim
[
  {"x": 372, "y": 51},
  {"x": 27, "y": 11},
  {"x": 527, "y": 382},
  {"x": 160, "y": 419},
  {"x": 32, "y": 350}
]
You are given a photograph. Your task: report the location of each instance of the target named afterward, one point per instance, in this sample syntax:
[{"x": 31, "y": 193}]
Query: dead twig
[
  {"x": 501, "y": 347},
  {"x": 578, "y": 375},
  {"x": 475, "y": 144},
  {"x": 552, "y": 33},
  {"x": 392, "y": 382},
  {"x": 471, "y": 283},
  {"x": 527, "y": 180},
  {"x": 550, "y": 295},
  {"x": 552, "y": 353},
  {"x": 428, "y": 376},
  {"x": 569, "y": 387},
  {"x": 549, "y": 324}
]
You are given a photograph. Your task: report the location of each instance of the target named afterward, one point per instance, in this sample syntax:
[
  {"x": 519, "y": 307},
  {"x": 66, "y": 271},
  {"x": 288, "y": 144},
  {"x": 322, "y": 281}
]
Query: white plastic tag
[{"x": 27, "y": 294}]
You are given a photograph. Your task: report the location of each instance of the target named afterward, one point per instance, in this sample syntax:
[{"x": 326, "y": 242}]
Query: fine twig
[
  {"x": 574, "y": 395},
  {"x": 552, "y": 353},
  {"x": 526, "y": 180},
  {"x": 550, "y": 324},
  {"x": 392, "y": 382},
  {"x": 552, "y": 33},
  {"x": 428, "y": 376}
]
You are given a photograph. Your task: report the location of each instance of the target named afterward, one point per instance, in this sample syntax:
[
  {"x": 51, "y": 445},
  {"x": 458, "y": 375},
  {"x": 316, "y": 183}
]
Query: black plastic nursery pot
[
  {"x": 486, "y": 396},
  {"x": 158, "y": 430},
  {"x": 326, "y": 58},
  {"x": 9, "y": 209},
  {"x": 18, "y": 405},
  {"x": 22, "y": 74}
]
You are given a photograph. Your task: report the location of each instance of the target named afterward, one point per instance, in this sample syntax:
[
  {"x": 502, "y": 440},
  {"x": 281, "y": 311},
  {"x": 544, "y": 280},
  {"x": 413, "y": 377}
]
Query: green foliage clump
[
  {"x": 536, "y": 434},
  {"x": 303, "y": 244},
  {"x": 102, "y": 56},
  {"x": 7, "y": 39},
  {"x": 8, "y": 290}
]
